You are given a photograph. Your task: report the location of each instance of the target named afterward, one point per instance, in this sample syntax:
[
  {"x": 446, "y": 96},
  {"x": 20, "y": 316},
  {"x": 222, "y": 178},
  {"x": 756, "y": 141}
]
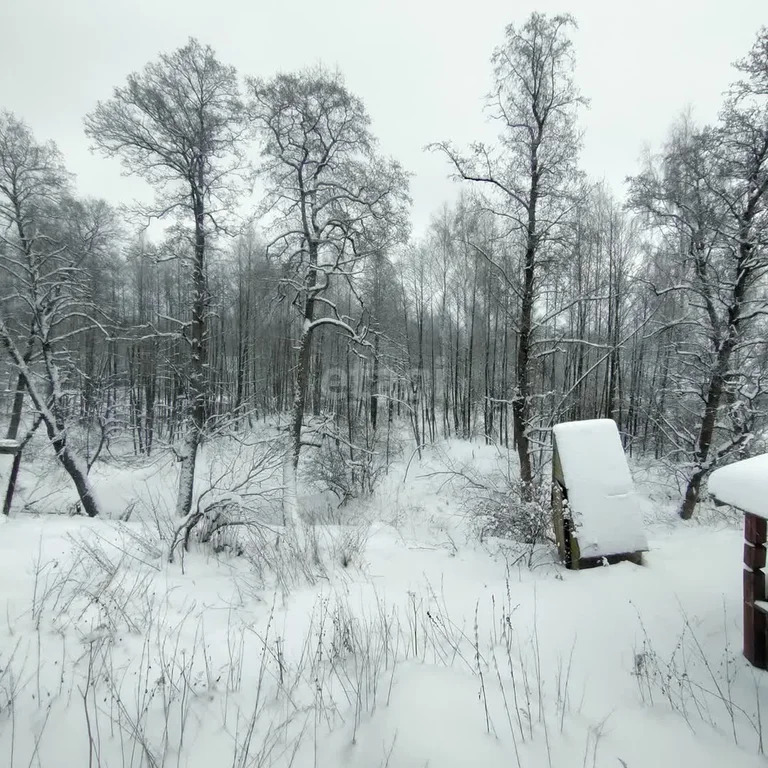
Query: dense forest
[{"x": 284, "y": 281}]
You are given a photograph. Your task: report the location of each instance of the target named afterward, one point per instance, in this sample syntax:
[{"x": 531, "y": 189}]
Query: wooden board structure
[
  {"x": 744, "y": 485},
  {"x": 595, "y": 510},
  {"x": 10, "y": 458}
]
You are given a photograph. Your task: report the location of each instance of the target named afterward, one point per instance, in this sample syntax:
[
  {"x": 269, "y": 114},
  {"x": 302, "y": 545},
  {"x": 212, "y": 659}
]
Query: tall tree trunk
[
  {"x": 521, "y": 402},
  {"x": 18, "y": 395},
  {"x": 717, "y": 380},
  {"x": 197, "y": 381},
  {"x": 373, "y": 399},
  {"x": 301, "y": 381},
  {"x": 707, "y": 428}
]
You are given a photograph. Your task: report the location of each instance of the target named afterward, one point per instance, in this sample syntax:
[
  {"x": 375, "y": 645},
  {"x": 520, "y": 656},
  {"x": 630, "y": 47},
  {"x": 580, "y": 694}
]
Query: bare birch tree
[
  {"x": 709, "y": 197},
  {"x": 333, "y": 202},
  {"x": 49, "y": 241},
  {"x": 532, "y": 170},
  {"x": 178, "y": 124}
]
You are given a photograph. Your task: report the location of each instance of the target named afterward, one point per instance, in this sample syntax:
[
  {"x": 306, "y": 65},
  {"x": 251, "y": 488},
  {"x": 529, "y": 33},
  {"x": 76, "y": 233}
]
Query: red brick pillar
[{"x": 754, "y": 589}]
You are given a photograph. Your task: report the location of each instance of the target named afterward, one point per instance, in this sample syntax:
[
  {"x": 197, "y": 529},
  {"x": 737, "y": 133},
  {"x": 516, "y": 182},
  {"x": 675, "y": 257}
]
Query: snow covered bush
[
  {"x": 351, "y": 462},
  {"x": 242, "y": 488},
  {"x": 509, "y": 512},
  {"x": 500, "y": 505}
]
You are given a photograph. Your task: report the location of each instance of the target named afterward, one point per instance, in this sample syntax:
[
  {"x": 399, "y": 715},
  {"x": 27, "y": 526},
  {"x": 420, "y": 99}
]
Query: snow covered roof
[
  {"x": 601, "y": 494},
  {"x": 743, "y": 484}
]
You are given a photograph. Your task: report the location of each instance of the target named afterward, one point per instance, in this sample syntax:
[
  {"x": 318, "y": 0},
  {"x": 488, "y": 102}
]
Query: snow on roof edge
[{"x": 743, "y": 484}]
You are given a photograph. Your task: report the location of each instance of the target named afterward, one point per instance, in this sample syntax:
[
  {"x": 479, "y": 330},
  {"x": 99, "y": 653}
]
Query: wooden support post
[
  {"x": 755, "y": 646},
  {"x": 12, "y": 448}
]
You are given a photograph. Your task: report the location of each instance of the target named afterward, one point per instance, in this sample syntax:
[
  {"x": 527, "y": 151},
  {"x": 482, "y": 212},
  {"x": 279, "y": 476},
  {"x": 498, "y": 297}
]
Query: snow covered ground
[{"x": 431, "y": 648}]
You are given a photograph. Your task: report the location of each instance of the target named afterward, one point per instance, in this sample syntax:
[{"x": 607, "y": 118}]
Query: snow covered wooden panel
[
  {"x": 602, "y": 505},
  {"x": 743, "y": 484}
]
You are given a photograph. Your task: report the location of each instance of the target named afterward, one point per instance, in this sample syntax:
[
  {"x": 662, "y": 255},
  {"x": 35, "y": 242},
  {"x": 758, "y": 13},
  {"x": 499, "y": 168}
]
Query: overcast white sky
[{"x": 421, "y": 66}]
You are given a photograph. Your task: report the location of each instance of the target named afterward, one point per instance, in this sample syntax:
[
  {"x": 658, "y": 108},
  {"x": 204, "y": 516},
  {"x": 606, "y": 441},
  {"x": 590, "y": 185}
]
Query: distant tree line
[{"x": 537, "y": 297}]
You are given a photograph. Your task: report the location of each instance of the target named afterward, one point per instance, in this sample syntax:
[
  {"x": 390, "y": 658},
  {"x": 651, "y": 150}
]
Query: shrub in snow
[
  {"x": 501, "y": 505},
  {"x": 241, "y": 490},
  {"x": 351, "y": 462},
  {"x": 509, "y": 512}
]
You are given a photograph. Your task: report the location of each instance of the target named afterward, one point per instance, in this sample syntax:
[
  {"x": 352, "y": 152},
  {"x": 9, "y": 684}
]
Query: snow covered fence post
[
  {"x": 10, "y": 458},
  {"x": 744, "y": 485}
]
